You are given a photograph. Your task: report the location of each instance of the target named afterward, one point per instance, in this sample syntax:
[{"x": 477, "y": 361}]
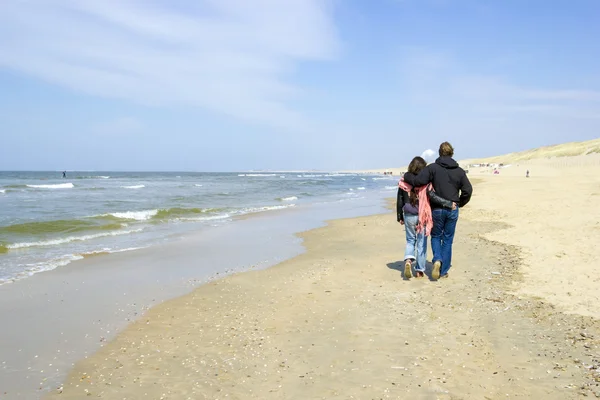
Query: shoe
[
  {"x": 435, "y": 272},
  {"x": 420, "y": 274},
  {"x": 445, "y": 276},
  {"x": 407, "y": 269}
]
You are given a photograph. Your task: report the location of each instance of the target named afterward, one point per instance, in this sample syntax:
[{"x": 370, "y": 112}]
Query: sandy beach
[{"x": 518, "y": 317}]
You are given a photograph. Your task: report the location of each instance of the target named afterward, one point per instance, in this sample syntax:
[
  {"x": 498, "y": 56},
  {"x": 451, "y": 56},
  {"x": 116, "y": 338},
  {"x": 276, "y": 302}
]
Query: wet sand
[
  {"x": 340, "y": 321},
  {"x": 53, "y": 319}
]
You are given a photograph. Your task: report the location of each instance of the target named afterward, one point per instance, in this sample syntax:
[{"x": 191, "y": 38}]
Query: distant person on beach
[
  {"x": 449, "y": 182},
  {"x": 527, "y": 174},
  {"x": 64, "y": 174},
  {"x": 414, "y": 212}
]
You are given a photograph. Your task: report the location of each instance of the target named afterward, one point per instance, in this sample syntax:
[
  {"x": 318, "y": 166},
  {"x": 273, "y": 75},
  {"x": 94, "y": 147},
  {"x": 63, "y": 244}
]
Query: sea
[{"x": 49, "y": 221}]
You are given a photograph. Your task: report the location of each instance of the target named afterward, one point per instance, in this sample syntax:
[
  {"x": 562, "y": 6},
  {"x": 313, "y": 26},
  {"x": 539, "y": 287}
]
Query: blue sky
[{"x": 211, "y": 85}]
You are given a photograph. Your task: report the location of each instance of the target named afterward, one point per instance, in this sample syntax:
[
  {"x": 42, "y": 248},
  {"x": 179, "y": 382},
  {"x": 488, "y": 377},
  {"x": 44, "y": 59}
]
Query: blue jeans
[
  {"x": 442, "y": 236},
  {"x": 415, "y": 242}
]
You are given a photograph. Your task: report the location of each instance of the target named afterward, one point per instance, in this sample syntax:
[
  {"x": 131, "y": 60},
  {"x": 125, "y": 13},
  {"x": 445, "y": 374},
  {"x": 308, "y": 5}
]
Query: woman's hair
[{"x": 415, "y": 166}]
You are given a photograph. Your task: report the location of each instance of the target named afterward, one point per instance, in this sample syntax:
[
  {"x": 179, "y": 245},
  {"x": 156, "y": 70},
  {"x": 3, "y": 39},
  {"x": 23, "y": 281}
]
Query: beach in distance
[{"x": 518, "y": 318}]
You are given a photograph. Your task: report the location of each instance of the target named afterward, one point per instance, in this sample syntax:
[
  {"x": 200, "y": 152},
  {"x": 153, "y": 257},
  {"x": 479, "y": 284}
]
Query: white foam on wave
[
  {"x": 385, "y": 179},
  {"x": 360, "y": 188},
  {"x": 212, "y": 218},
  {"x": 136, "y": 215},
  {"x": 111, "y": 251},
  {"x": 34, "y": 268},
  {"x": 128, "y": 249},
  {"x": 291, "y": 198},
  {"x": 266, "y": 208},
  {"x": 198, "y": 185},
  {"x": 257, "y": 175},
  {"x": 102, "y": 177},
  {"x": 133, "y": 187},
  {"x": 391, "y": 187},
  {"x": 2, "y": 191},
  {"x": 55, "y": 186},
  {"x": 49, "y": 265},
  {"x": 69, "y": 239}
]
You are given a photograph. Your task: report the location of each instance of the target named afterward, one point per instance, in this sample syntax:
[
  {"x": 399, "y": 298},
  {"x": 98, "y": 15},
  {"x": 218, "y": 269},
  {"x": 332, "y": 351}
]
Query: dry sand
[{"x": 514, "y": 320}]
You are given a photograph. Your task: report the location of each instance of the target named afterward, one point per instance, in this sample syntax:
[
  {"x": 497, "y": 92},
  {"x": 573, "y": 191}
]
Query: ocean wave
[
  {"x": 252, "y": 210},
  {"x": 163, "y": 214},
  {"x": 49, "y": 265},
  {"x": 69, "y": 239},
  {"x": 133, "y": 187},
  {"x": 256, "y": 175},
  {"x": 177, "y": 212},
  {"x": 316, "y": 182},
  {"x": 35, "y": 268},
  {"x": 55, "y": 186},
  {"x": 93, "y": 177},
  {"x": 58, "y": 226},
  {"x": 390, "y": 178},
  {"x": 211, "y": 218},
  {"x": 136, "y": 215},
  {"x": 391, "y": 187},
  {"x": 291, "y": 198},
  {"x": 108, "y": 250}
]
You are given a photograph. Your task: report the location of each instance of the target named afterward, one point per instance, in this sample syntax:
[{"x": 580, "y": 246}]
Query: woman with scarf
[{"x": 414, "y": 212}]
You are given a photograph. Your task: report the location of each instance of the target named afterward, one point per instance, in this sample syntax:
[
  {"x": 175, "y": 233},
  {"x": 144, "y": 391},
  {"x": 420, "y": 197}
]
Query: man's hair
[{"x": 446, "y": 150}]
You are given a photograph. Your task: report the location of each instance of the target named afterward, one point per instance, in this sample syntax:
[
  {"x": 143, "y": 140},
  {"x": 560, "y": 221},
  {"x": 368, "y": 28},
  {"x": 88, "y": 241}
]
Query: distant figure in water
[
  {"x": 527, "y": 174},
  {"x": 64, "y": 174}
]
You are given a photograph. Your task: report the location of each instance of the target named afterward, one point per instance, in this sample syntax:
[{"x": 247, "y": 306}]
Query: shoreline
[
  {"x": 83, "y": 305},
  {"x": 338, "y": 321}
]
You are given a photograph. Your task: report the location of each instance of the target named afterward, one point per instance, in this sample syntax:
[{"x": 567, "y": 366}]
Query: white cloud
[
  {"x": 429, "y": 155},
  {"x": 233, "y": 57}
]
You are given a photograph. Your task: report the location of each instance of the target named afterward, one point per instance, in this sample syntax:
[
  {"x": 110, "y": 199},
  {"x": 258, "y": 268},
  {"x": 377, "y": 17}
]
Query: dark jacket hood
[{"x": 447, "y": 162}]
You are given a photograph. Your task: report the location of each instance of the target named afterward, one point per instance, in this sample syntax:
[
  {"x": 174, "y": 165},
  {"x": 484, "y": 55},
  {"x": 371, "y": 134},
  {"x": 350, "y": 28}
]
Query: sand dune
[
  {"x": 570, "y": 154},
  {"x": 571, "y": 149}
]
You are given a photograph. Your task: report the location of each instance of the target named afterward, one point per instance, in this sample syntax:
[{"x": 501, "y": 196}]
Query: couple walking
[{"x": 429, "y": 197}]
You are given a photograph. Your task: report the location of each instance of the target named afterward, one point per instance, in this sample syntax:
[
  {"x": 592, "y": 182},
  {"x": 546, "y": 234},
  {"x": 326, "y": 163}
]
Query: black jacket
[
  {"x": 402, "y": 199},
  {"x": 448, "y": 179}
]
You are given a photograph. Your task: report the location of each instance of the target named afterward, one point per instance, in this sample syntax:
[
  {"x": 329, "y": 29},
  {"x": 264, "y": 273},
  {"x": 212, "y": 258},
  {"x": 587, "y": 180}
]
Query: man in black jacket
[{"x": 449, "y": 182}]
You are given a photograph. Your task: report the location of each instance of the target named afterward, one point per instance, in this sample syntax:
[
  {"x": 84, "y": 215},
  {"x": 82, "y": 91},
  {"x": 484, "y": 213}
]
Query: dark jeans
[{"x": 442, "y": 236}]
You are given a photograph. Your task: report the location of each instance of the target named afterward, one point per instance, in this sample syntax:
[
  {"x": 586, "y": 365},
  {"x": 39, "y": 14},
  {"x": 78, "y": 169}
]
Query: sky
[{"x": 230, "y": 85}]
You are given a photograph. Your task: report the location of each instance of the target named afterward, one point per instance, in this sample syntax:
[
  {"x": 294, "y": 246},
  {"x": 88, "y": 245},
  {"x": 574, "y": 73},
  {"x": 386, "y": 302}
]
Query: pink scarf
[{"x": 425, "y": 217}]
